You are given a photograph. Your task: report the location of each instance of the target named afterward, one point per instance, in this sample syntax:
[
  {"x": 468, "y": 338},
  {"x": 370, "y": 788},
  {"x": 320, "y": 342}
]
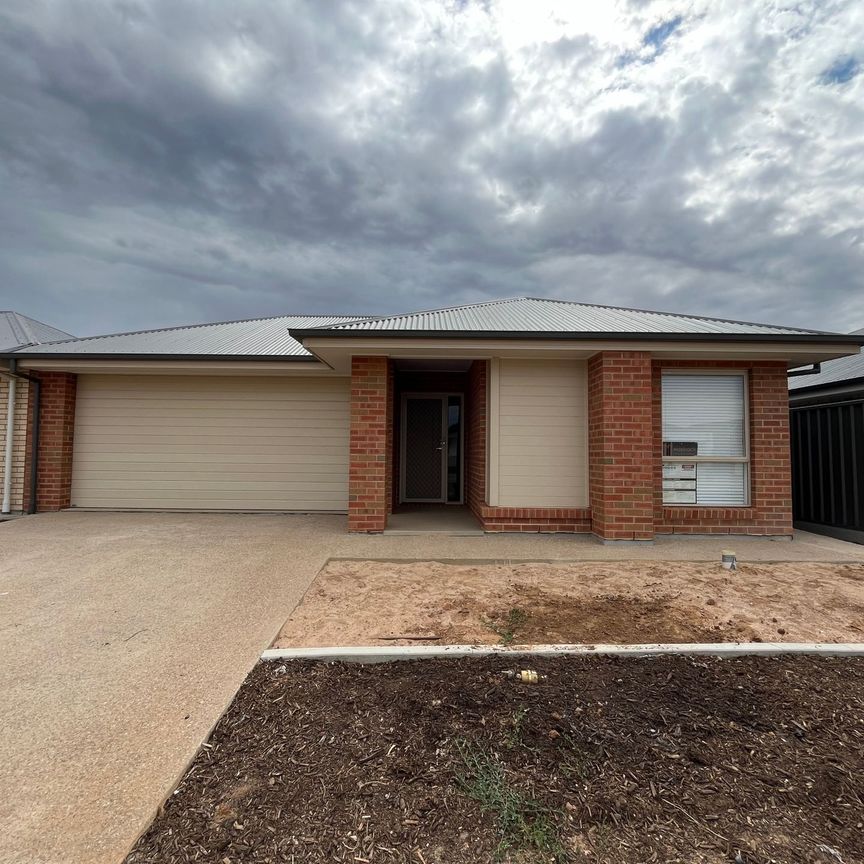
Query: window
[{"x": 705, "y": 448}]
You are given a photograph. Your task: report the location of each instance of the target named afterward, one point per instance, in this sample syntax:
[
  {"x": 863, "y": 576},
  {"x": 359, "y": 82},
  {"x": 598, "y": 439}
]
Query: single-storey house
[
  {"x": 827, "y": 426},
  {"x": 535, "y": 414}
]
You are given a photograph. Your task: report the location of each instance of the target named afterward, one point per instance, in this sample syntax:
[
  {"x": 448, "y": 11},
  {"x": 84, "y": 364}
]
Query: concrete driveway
[{"x": 123, "y": 637}]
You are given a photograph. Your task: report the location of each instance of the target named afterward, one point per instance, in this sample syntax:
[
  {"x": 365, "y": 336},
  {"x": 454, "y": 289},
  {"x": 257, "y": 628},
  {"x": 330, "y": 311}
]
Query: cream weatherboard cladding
[
  {"x": 202, "y": 442},
  {"x": 540, "y": 423},
  {"x": 19, "y": 442}
]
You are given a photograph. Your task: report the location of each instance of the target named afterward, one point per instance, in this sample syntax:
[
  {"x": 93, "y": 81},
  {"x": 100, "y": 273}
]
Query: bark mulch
[{"x": 669, "y": 759}]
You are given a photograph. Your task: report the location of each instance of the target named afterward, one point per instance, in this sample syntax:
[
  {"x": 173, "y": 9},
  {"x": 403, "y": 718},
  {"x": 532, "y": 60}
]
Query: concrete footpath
[{"x": 123, "y": 637}]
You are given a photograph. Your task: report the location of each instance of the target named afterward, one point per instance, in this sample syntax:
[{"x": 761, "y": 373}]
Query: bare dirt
[
  {"x": 369, "y": 602},
  {"x": 620, "y": 761}
]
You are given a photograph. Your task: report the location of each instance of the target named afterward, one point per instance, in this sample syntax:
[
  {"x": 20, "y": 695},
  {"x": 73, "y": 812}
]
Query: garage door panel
[{"x": 228, "y": 443}]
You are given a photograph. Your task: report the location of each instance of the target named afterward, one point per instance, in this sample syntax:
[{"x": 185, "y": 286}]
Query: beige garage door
[{"x": 211, "y": 443}]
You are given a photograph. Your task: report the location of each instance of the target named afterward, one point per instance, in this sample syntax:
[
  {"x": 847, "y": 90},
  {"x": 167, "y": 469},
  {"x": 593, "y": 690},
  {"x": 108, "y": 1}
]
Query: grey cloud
[{"x": 360, "y": 157}]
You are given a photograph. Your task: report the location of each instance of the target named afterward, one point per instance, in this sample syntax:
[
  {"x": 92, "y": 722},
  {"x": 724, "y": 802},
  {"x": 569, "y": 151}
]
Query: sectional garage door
[{"x": 211, "y": 443}]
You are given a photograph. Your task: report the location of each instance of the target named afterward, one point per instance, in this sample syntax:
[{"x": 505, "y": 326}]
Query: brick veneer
[
  {"x": 624, "y": 458},
  {"x": 770, "y": 510},
  {"x": 56, "y": 439},
  {"x": 370, "y": 495},
  {"x": 620, "y": 457},
  {"x": 475, "y": 436}
]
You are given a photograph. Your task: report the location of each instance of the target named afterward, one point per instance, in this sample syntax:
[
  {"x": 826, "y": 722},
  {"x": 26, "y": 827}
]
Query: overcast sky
[{"x": 166, "y": 162}]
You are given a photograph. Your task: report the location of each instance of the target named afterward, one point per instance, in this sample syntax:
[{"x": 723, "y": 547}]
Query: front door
[{"x": 424, "y": 448}]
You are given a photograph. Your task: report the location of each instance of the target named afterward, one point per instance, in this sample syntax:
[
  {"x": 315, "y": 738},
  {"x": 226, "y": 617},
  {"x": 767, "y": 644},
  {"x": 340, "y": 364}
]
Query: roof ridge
[
  {"x": 183, "y": 327},
  {"x": 676, "y": 314},
  {"x": 433, "y": 311}
]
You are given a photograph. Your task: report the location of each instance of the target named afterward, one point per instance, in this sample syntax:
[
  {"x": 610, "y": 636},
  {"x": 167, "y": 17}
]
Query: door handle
[{"x": 441, "y": 445}]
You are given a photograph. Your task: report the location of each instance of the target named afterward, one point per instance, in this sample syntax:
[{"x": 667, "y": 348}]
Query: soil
[
  {"x": 670, "y": 759},
  {"x": 368, "y": 602}
]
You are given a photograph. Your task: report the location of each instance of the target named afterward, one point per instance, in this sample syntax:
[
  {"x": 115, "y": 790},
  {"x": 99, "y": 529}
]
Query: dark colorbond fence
[{"x": 828, "y": 469}]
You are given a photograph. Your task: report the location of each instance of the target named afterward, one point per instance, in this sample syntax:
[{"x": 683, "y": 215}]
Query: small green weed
[
  {"x": 525, "y": 825},
  {"x": 514, "y": 733},
  {"x": 506, "y": 631}
]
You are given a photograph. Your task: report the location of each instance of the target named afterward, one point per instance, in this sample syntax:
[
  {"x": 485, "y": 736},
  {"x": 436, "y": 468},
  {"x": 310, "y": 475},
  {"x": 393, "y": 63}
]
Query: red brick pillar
[
  {"x": 56, "y": 437},
  {"x": 620, "y": 442},
  {"x": 770, "y": 458},
  {"x": 475, "y": 437},
  {"x": 371, "y": 440}
]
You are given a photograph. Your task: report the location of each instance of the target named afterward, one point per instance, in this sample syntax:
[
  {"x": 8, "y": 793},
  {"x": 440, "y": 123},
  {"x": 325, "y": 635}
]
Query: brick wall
[
  {"x": 19, "y": 441},
  {"x": 770, "y": 510},
  {"x": 56, "y": 438},
  {"x": 475, "y": 436},
  {"x": 624, "y": 460},
  {"x": 371, "y": 439},
  {"x": 534, "y": 519},
  {"x": 620, "y": 457}
]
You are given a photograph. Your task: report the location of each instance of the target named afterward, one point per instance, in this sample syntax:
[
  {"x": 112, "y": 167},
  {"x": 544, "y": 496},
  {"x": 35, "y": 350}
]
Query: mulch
[{"x": 668, "y": 759}]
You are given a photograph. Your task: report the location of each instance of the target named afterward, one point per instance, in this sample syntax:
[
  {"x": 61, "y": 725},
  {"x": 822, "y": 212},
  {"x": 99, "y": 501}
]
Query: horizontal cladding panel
[
  {"x": 109, "y": 460},
  {"x": 542, "y": 433},
  {"x": 211, "y": 443},
  {"x": 251, "y": 504}
]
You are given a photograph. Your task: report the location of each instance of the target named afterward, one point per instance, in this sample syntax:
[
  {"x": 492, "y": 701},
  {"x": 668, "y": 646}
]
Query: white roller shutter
[
  {"x": 211, "y": 443},
  {"x": 706, "y": 413}
]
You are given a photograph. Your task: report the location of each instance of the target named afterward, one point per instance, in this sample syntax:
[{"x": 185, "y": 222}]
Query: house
[
  {"x": 827, "y": 427},
  {"x": 534, "y": 414},
  {"x": 17, "y": 331}
]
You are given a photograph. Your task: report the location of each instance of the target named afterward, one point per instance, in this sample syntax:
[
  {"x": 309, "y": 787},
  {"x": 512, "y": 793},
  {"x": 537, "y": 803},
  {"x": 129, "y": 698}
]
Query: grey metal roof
[
  {"x": 17, "y": 330},
  {"x": 270, "y": 337},
  {"x": 833, "y": 371},
  {"x": 264, "y": 337},
  {"x": 538, "y": 315}
]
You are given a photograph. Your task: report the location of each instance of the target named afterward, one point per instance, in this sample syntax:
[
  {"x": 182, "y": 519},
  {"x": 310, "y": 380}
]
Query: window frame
[{"x": 734, "y": 460}]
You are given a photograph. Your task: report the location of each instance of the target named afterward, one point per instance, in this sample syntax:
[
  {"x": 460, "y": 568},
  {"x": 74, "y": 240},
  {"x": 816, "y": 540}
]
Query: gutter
[
  {"x": 86, "y": 355},
  {"x": 14, "y": 375},
  {"x": 821, "y": 338},
  {"x": 815, "y": 369}
]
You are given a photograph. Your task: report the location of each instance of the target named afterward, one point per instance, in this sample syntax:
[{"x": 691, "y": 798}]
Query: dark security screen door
[{"x": 424, "y": 449}]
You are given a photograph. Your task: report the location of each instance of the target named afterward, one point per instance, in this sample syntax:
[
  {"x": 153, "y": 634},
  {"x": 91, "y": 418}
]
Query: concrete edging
[{"x": 389, "y": 653}]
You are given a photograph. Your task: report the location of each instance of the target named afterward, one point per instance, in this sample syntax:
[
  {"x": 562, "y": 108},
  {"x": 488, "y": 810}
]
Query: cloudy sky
[{"x": 166, "y": 162}]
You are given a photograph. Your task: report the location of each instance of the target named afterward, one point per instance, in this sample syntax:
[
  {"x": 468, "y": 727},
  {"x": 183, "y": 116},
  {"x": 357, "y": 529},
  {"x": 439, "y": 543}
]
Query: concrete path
[{"x": 123, "y": 637}]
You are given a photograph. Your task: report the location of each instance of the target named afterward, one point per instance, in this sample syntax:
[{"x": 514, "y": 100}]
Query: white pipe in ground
[
  {"x": 10, "y": 440},
  {"x": 388, "y": 653}
]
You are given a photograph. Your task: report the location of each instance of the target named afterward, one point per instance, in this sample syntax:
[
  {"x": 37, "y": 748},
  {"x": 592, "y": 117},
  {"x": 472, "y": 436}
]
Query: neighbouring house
[
  {"x": 17, "y": 331},
  {"x": 827, "y": 427},
  {"x": 532, "y": 414}
]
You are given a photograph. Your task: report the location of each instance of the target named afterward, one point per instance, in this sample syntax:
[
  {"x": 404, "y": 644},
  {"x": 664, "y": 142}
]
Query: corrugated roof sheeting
[
  {"x": 833, "y": 371},
  {"x": 537, "y": 315},
  {"x": 266, "y": 337},
  {"x": 17, "y": 330}
]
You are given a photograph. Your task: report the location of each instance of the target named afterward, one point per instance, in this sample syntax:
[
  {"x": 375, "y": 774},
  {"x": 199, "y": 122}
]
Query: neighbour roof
[
  {"x": 538, "y": 315},
  {"x": 265, "y": 337},
  {"x": 17, "y": 330},
  {"x": 833, "y": 371}
]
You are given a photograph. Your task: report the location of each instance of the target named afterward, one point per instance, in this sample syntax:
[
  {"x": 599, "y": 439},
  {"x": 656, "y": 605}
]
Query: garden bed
[
  {"x": 605, "y": 759},
  {"x": 374, "y": 603}
]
